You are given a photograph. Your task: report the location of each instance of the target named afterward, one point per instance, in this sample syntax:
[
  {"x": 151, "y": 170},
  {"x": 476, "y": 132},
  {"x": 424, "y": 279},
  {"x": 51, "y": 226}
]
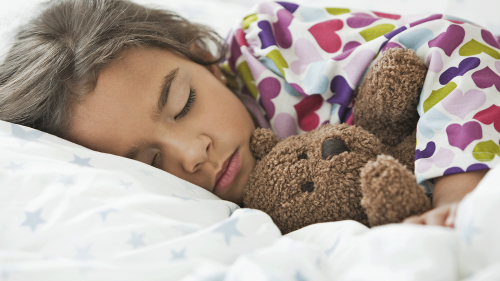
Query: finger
[
  {"x": 437, "y": 216},
  {"x": 415, "y": 220},
  {"x": 450, "y": 221}
]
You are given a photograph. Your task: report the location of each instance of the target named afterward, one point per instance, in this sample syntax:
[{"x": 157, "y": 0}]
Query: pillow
[
  {"x": 70, "y": 213},
  {"x": 66, "y": 207},
  {"x": 222, "y": 14}
]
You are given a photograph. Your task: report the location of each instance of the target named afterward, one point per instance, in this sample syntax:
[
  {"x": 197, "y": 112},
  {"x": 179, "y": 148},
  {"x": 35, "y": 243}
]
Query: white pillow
[
  {"x": 64, "y": 207},
  {"x": 222, "y": 14}
]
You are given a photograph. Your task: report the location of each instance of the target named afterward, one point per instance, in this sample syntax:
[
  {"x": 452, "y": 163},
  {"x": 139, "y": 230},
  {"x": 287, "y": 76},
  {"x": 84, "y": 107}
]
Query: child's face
[{"x": 204, "y": 141}]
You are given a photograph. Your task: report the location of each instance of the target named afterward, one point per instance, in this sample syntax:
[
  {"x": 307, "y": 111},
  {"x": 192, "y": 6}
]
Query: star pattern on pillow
[{"x": 33, "y": 219}]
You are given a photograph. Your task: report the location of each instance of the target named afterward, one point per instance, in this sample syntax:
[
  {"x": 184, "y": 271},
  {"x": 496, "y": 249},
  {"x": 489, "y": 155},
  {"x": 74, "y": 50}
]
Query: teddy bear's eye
[
  {"x": 303, "y": 156},
  {"x": 332, "y": 147}
]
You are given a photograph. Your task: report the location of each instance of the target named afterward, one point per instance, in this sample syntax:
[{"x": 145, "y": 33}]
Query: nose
[
  {"x": 193, "y": 153},
  {"x": 308, "y": 187},
  {"x": 332, "y": 147}
]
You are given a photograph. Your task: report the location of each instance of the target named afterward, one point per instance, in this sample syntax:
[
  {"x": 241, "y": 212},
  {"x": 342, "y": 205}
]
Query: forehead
[
  {"x": 140, "y": 62},
  {"x": 123, "y": 96}
]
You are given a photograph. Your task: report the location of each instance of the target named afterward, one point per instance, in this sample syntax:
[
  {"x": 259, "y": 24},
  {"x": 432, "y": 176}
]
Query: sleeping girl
[{"x": 145, "y": 84}]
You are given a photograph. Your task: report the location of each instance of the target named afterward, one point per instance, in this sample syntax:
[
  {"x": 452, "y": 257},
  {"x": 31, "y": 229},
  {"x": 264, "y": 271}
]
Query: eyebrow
[
  {"x": 132, "y": 152},
  {"x": 165, "y": 91},
  {"x": 162, "y": 101}
]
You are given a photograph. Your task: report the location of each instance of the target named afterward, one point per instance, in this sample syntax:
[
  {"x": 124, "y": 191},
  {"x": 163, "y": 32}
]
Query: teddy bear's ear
[{"x": 262, "y": 142}]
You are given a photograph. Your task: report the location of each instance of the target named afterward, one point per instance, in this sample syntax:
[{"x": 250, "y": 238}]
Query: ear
[
  {"x": 206, "y": 55},
  {"x": 262, "y": 142}
]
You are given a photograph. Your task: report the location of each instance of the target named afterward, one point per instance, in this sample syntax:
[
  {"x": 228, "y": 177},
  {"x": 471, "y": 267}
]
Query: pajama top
[{"x": 299, "y": 66}]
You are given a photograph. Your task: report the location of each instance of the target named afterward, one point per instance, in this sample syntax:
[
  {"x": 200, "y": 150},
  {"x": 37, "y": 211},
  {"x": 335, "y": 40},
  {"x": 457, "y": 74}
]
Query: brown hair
[{"x": 56, "y": 57}]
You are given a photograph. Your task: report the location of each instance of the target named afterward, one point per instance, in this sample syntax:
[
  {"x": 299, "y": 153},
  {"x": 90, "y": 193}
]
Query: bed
[{"x": 70, "y": 213}]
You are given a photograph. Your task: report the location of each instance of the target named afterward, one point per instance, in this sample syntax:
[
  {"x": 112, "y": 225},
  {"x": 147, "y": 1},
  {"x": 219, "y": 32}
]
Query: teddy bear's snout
[{"x": 332, "y": 147}]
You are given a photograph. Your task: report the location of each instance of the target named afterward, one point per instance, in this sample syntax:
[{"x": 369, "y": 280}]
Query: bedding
[
  {"x": 303, "y": 64},
  {"x": 222, "y": 14},
  {"x": 69, "y": 213}
]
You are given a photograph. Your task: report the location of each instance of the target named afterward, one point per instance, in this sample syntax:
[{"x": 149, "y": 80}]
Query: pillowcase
[{"x": 222, "y": 14}]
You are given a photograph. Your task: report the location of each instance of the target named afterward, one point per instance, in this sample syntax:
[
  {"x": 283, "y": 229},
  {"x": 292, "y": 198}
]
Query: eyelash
[
  {"x": 189, "y": 103},
  {"x": 153, "y": 163}
]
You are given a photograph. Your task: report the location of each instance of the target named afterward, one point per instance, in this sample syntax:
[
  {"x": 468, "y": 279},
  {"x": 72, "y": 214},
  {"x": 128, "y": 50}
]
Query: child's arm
[{"x": 448, "y": 192}]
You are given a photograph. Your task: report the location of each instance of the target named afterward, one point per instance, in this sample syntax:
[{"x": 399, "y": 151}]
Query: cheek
[
  {"x": 230, "y": 116},
  {"x": 241, "y": 121}
]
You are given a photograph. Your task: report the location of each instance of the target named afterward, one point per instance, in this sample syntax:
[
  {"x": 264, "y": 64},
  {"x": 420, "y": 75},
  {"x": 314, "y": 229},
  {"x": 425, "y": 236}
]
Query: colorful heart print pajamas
[{"x": 300, "y": 65}]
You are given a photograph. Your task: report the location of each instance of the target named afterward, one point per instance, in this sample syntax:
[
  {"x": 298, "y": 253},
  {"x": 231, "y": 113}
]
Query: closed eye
[
  {"x": 184, "y": 111},
  {"x": 187, "y": 106},
  {"x": 155, "y": 161}
]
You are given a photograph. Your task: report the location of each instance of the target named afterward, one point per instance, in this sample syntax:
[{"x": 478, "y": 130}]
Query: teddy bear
[{"x": 360, "y": 172}]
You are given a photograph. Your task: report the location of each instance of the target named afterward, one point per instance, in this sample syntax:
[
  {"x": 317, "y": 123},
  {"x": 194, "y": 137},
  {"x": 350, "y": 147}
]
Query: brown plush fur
[
  {"x": 386, "y": 104},
  {"x": 340, "y": 172},
  {"x": 390, "y": 193}
]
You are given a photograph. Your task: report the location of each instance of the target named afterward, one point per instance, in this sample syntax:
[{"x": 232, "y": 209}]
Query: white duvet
[{"x": 69, "y": 213}]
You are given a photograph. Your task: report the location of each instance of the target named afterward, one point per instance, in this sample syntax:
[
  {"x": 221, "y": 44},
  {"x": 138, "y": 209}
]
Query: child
[{"x": 141, "y": 83}]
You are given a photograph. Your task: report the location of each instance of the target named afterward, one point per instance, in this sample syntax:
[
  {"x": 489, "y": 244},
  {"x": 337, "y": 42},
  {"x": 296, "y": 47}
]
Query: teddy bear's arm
[
  {"x": 387, "y": 99},
  {"x": 390, "y": 192},
  {"x": 262, "y": 142}
]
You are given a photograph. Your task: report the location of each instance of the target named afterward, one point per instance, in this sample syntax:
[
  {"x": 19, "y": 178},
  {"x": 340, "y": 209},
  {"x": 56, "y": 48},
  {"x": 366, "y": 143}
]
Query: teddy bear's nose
[
  {"x": 332, "y": 147},
  {"x": 308, "y": 187}
]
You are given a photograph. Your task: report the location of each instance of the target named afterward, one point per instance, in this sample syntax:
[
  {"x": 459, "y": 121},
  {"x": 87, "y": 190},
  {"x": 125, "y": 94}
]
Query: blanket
[
  {"x": 303, "y": 64},
  {"x": 69, "y": 213}
]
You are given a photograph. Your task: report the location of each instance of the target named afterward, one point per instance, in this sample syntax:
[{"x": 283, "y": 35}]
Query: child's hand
[
  {"x": 443, "y": 216},
  {"x": 448, "y": 192}
]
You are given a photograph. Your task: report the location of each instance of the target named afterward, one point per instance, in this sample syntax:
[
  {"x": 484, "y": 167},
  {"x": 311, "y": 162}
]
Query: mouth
[{"x": 226, "y": 176}]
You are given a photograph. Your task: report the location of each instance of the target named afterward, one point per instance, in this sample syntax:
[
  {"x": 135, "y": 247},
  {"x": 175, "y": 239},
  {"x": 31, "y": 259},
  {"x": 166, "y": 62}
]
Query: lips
[{"x": 225, "y": 177}]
